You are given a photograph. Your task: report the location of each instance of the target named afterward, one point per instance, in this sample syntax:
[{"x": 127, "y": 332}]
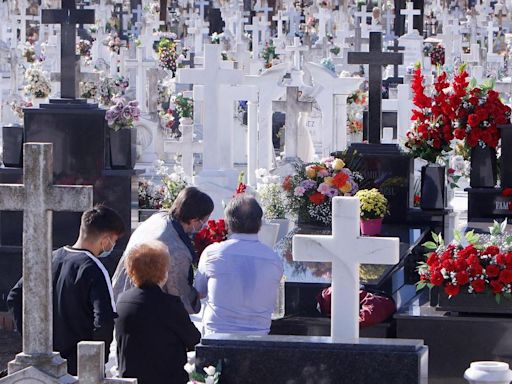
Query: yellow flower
[
  {"x": 310, "y": 172},
  {"x": 338, "y": 164},
  {"x": 346, "y": 188},
  {"x": 328, "y": 181}
]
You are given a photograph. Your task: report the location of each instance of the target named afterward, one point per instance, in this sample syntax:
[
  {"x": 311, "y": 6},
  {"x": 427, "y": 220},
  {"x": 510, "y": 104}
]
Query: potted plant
[
  {"x": 272, "y": 198},
  {"x": 184, "y": 108},
  {"x": 310, "y": 190},
  {"x": 38, "y": 85},
  {"x": 473, "y": 273},
  {"x": 373, "y": 208},
  {"x": 123, "y": 145},
  {"x": 12, "y": 134}
]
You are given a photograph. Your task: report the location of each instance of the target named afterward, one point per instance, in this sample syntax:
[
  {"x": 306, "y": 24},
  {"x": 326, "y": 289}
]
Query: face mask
[{"x": 108, "y": 252}]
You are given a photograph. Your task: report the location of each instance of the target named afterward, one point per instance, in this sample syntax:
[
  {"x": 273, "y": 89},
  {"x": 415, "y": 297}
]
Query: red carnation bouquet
[
  {"x": 214, "y": 232},
  {"x": 479, "y": 114},
  {"x": 484, "y": 264}
]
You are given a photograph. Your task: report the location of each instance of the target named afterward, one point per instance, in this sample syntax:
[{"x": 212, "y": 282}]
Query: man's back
[
  {"x": 241, "y": 277},
  {"x": 82, "y": 306}
]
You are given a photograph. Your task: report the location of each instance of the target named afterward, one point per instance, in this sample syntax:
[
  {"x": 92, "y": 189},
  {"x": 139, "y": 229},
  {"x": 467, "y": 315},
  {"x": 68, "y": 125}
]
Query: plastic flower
[
  {"x": 338, "y": 164},
  {"x": 210, "y": 371}
]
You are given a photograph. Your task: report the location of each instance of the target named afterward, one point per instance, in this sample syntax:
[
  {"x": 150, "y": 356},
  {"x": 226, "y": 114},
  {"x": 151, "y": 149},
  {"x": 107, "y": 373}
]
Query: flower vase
[
  {"x": 483, "y": 167},
  {"x": 355, "y": 137},
  {"x": 38, "y": 101},
  {"x": 371, "y": 227},
  {"x": 488, "y": 372},
  {"x": 432, "y": 187},
  {"x": 12, "y": 145},
  {"x": 186, "y": 121},
  {"x": 123, "y": 148},
  {"x": 465, "y": 302}
]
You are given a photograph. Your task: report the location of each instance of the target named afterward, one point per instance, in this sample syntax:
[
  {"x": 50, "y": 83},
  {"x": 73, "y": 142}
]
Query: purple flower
[
  {"x": 299, "y": 191},
  {"x": 331, "y": 192},
  {"x": 308, "y": 184}
]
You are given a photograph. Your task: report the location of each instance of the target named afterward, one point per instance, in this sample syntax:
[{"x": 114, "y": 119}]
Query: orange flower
[
  {"x": 340, "y": 180},
  {"x": 317, "y": 198}
]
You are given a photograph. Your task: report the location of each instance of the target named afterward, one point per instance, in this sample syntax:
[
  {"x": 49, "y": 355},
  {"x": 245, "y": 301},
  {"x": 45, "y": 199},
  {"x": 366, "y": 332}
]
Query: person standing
[
  {"x": 83, "y": 300},
  {"x": 153, "y": 331},
  {"x": 240, "y": 276},
  {"x": 188, "y": 214}
]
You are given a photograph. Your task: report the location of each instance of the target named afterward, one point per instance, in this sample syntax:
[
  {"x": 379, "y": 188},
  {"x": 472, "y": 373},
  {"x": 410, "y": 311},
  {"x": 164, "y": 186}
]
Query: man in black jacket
[{"x": 83, "y": 303}]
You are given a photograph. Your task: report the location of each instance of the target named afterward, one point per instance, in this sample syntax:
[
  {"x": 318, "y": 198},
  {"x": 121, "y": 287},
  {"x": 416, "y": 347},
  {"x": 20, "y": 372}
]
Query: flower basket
[
  {"x": 12, "y": 145},
  {"x": 483, "y": 167},
  {"x": 371, "y": 227},
  {"x": 123, "y": 148},
  {"x": 432, "y": 187},
  {"x": 466, "y": 302}
]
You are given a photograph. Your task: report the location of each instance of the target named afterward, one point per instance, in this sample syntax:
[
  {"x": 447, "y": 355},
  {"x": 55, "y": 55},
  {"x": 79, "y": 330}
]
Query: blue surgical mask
[{"x": 108, "y": 252}]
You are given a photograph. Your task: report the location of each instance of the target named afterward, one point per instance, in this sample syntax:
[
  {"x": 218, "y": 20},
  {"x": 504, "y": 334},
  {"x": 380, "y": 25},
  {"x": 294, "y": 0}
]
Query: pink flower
[
  {"x": 299, "y": 191},
  {"x": 323, "y": 173},
  {"x": 324, "y": 189}
]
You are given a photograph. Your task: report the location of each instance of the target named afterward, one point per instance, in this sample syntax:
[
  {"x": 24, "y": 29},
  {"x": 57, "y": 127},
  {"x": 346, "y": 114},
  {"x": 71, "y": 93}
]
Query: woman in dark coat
[{"x": 153, "y": 330}]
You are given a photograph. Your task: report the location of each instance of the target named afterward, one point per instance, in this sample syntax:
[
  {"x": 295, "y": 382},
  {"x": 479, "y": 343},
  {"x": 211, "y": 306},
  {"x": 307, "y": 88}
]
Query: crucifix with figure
[
  {"x": 346, "y": 250},
  {"x": 68, "y": 17},
  {"x": 375, "y": 60}
]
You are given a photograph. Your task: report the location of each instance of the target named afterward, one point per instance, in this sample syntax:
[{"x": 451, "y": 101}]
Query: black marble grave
[
  {"x": 296, "y": 359},
  {"x": 455, "y": 340}
]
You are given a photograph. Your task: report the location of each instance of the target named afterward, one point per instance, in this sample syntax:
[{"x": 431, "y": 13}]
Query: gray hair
[{"x": 243, "y": 215}]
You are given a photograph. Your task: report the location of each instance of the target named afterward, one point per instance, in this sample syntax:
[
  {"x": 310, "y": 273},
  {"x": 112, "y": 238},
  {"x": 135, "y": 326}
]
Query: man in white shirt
[{"x": 240, "y": 276}]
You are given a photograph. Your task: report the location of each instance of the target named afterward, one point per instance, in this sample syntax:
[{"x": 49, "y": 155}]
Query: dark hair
[
  {"x": 101, "y": 219},
  {"x": 243, "y": 215},
  {"x": 191, "y": 204},
  {"x": 147, "y": 262}
]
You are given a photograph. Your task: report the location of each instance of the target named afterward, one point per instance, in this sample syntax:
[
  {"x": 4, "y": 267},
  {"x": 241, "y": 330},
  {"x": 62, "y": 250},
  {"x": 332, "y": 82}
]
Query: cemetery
[{"x": 368, "y": 144}]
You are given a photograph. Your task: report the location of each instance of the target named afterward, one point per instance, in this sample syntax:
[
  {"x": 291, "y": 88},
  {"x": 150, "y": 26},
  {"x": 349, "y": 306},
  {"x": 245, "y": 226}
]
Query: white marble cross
[
  {"x": 389, "y": 16},
  {"x": 201, "y": 5},
  {"x": 137, "y": 13},
  {"x": 324, "y": 16},
  {"x": 37, "y": 197},
  {"x": 294, "y": 18},
  {"x": 186, "y": 146},
  {"x": 280, "y": 17},
  {"x": 363, "y": 15},
  {"x": 257, "y": 27},
  {"x": 263, "y": 8},
  {"x": 199, "y": 30},
  {"x": 296, "y": 50},
  {"x": 210, "y": 76},
  {"x": 409, "y": 12},
  {"x": 346, "y": 250},
  {"x": 239, "y": 22},
  {"x": 141, "y": 65},
  {"x": 490, "y": 36},
  {"x": 292, "y": 108}
]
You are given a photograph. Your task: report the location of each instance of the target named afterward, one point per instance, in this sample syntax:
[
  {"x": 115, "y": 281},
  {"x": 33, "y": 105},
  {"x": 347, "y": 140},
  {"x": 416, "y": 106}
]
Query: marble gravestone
[{"x": 342, "y": 358}]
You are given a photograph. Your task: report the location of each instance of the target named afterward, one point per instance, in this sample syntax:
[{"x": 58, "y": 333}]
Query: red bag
[{"x": 373, "y": 308}]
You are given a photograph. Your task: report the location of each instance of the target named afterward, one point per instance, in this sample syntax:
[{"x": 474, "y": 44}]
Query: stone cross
[
  {"x": 346, "y": 250},
  {"x": 490, "y": 36},
  {"x": 239, "y": 26},
  {"x": 22, "y": 19},
  {"x": 396, "y": 79},
  {"x": 363, "y": 15},
  {"x": 119, "y": 14},
  {"x": 294, "y": 18},
  {"x": 201, "y": 4},
  {"x": 291, "y": 107},
  {"x": 68, "y": 17},
  {"x": 141, "y": 65},
  {"x": 255, "y": 28},
  {"x": 389, "y": 16},
  {"x": 375, "y": 60},
  {"x": 37, "y": 197},
  {"x": 296, "y": 50},
  {"x": 263, "y": 8},
  {"x": 199, "y": 30},
  {"x": 210, "y": 76},
  {"x": 279, "y": 18},
  {"x": 324, "y": 16},
  {"x": 137, "y": 19},
  {"x": 409, "y": 12}
]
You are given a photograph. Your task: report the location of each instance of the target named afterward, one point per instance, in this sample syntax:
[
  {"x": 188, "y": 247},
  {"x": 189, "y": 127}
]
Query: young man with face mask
[{"x": 83, "y": 300}]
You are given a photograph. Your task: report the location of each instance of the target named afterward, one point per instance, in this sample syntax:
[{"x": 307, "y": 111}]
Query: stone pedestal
[{"x": 299, "y": 359}]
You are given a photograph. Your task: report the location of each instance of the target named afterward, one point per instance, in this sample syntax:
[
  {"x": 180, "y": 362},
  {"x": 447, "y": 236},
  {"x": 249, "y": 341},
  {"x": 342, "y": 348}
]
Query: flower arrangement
[
  {"x": 28, "y": 52},
  {"x": 327, "y": 63},
  {"x": 183, "y": 105},
  {"x": 113, "y": 42},
  {"x": 167, "y": 119},
  {"x": 109, "y": 88},
  {"x": 38, "y": 84},
  {"x": 356, "y": 104},
  {"x": 161, "y": 195},
  {"x": 122, "y": 114},
  {"x": 437, "y": 55},
  {"x": 88, "y": 89},
  {"x": 373, "y": 204},
  {"x": 83, "y": 48},
  {"x": 270, "y": 194},
  {"x": 309, "y": 192},
  {"x": 212, "y": 374},
  {"x": 18, "y": 105},
  {"x": 214, "y": 232},
  {"x": 479, "y": 114},
  {"x": 482, "y": 264},
  {"x": 164, "y": 94},
  {"x": 432, "y": 133},
  {"x": 167, "y": 50},
  {"x": 269, "y": 54}
]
